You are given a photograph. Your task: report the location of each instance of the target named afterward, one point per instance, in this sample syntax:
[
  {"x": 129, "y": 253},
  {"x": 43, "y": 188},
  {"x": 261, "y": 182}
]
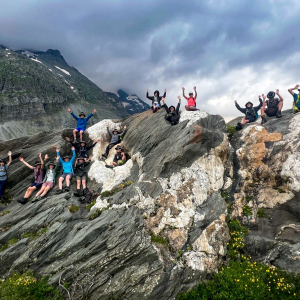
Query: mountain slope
[{"x": 37, "y": 87}]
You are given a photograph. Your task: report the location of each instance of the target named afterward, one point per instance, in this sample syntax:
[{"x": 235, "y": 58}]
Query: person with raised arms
[
  {"x": 3, "y": 173},
  {"x": 191, "y": 105},
  {"x": 172, "y": 113},
  {"x": 296, "y": 102},
  {"x": 156, "y": 100}
]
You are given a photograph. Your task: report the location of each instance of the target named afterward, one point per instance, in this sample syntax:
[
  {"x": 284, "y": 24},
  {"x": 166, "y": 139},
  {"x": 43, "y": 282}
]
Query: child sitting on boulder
[
  {"x": 81, "y": 173},
  {"x": 81, "y": 123},
  {"x": 191, "y": 100},
  {"x": 250, "y": 113},
  {"x": 120, "y": 158},
  {"x": 82, "y": 149},
  {"x": 3, "y": 173},
  {"x": 67, "y": 174},
  {"x": 38, "y": 170},
  {"x": 172, "y": 113},
  {"x": 49, "y": 180},
  {"x": 156, "y": 100},
  {"x": 115, "y": 139}
]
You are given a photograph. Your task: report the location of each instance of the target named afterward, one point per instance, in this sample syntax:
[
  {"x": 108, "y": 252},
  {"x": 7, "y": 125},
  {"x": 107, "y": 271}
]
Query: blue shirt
[
  {"x": 67, "y": 166},
  {"x": 3, "y": 172},
  {"x": 81, "y": 122}
]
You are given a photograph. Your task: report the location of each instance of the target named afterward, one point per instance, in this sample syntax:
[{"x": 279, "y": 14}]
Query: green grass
[
  {"x": 247, "y": 211},
  {"x": 231, "y": 130},
  {"x": 89, "y": 206},
  {"x": 73, "y": 208},
  {"x": 6, "y": 198},
  {"x": 95, "y": 215},
  {"x": 27, "y": 287},
  {"x": 5, "y": 212},
  {"x": 159, "y": 240},
  {"x": 116, "y": 190},
  {"x": 34, "y": 235},
  {"x": 8, "y": 244}
]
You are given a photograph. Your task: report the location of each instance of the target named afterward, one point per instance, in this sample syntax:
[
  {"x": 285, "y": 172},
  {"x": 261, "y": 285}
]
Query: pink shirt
[{"x": 191, "y": 101}]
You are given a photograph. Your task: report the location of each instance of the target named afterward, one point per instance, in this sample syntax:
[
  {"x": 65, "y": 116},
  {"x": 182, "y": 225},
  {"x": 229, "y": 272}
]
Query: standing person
[
  {"x": 119, "y": 158},
  {"x": 296, "y": 103},
  {"x": 156, "y": 100},
  {"x": 274, "y": 106},
  {"x": 82, "y": 149},
  {"x": 49, "y": 180},
  {"x": 115, "y": 139},
  {"x": 172, "y": 113},
  {"x": 67, "y": 165},
  {"x": 38, "y": 170},
  {"x": 250, "y": 113},
  {"x": 191, "y": 100},
  {"x": 81, "y": 173},
  {"x": 81, "y": 123},
  {"x": 3, "y": 173}
]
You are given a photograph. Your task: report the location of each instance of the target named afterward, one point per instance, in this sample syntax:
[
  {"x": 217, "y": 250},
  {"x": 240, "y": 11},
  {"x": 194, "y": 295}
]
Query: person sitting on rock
[
  {"x": 120, "y": 158},
  {"x": 38, "y": 170},
  {"x": 250, "y": 113},
  {"x": 81, "y": 123},
  {"x": 3, "y": 173},
  {"x": 81, "y": 173},
  {"x": 81, "y": 148},
  {"x": 156, "y": 100},
  {"x": 115, "y": 139},
  {"x": 49, "y": 180},
  {"x": 172, "y": 113},
  {"x": 274, "y": 106},
  {"x": 296, "y": 102},
  {"x": 67, "y": 165},
  {"x": 191, "y": 100}
]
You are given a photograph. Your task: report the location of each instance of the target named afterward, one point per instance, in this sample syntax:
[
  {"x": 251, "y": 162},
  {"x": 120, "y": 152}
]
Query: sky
[{"x": 230, "y": 50}]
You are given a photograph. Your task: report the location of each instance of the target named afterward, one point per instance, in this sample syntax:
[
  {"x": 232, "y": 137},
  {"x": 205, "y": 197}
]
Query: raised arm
[
  {"x": 291, "y": 89},
  {"x": 9, "y": 158},
  {"x": 90, "y": 115},
  {"x": 243, "y": 110},
  {"x": 178, "y": 105},
  {"x": 165, "y": 93},
  {"x": 183, "y": 94},
  {"x": 41, "y": 160},
  {"x": 74, "y": 155},
  {"x": 25, "y": 163},
  {"x": 195, "y": 93},
  {"x": 107, "y": 127},
  {"x": 92, "y": 146},
  {"x": 280, "y": 98},
  {"x": 73, "y": 115},
  {"x": 124, "y": 131},
  {"x": 147, "y": 95},
  {"x": 58, "y": 156},
  {"x": 257, "y": 108},
  {"x": 77, "y": 146}
]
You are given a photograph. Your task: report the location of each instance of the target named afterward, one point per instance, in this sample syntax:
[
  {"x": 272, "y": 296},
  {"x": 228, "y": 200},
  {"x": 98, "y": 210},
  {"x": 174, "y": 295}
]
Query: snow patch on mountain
[
  {"x": 63, "y": 70},
  {"x": 36, "y": 60}
]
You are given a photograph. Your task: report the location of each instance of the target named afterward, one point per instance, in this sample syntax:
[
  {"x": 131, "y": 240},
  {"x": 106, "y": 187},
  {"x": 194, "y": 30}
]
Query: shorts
[
  {"x": 49, "y": 184},
  {"x": 251, "y": 119},
  {"x": 64, "y": 175},
  {"x": 81, "y": 177},
  {"x": 271, "y": 112},
  {"x": 80, "y": 129},
  {"x": 37, "y": 185},
  {"x": 156, "y": 104}
]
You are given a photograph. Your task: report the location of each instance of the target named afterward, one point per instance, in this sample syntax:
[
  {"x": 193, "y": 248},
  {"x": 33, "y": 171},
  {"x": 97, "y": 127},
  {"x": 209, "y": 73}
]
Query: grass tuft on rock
[
  {"x": 116, "y": 190},
  {"x": 27, "y": 287},
  {"x": 247, "y": 211},
  {"x": 89, "y": 206},
  {"x": 231, "y": 130},
  {"x": 3, "y": 213},
  {"x": 95, "y": 215},
  {"x": 159, "y": 239},
  {"x": 261, "y": 213},
  {"x": 73, "y": 208},
  {"x": 34, "y": 235},
  {"x": 8, "y": 244}
]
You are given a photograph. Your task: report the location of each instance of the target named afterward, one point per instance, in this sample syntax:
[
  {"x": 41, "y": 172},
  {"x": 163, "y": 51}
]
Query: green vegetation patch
[
  {"x": 73, "y": 208},
  {"x": 231, "y": 130},
  {"x": 89, "y": 206},
  {"x": 116, "y": 190},
  {"x": 8, "y": 244},
  {"x": 95, "y": 215},
  {"x": 159, "y": 240},
  {"x": 247, "y": 211},
  {"x": 34, "y": 235},
  {"x": 3, "y": 213},
  {"x": 261, "y": 213},
  {"x": 6, "y": 198},
  {"x": 27, "y": 287}
]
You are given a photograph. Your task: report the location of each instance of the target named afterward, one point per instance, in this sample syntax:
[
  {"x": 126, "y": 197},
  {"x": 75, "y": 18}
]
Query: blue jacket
[
  {"x": 81, "y": 123},
  {"x": 67, "y": 166}
]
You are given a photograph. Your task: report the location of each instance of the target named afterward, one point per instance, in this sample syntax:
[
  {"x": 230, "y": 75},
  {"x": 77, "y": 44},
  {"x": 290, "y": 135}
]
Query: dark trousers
[
  {"x": 109, "y": 147},
  {"x": 2, "y": 187},
  {"x": 172, "y": 119}
]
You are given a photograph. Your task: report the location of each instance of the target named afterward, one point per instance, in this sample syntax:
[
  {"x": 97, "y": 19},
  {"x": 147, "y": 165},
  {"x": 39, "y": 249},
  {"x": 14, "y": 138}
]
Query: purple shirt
[{"x": 38, "y": 178}]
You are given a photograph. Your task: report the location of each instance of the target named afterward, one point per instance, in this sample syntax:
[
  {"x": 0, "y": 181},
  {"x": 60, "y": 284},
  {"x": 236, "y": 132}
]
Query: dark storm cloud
[{"x": 139, "y": 44}]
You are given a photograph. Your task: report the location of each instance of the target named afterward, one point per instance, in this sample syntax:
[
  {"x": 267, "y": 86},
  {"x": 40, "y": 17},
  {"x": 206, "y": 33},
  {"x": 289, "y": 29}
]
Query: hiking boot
[
  {"x": 239, "y": 126},
  {"x": 22, "y": 201},
  {"x": 59, "y": 192},
  {"x": 109, "y": 166},
  {"x": 278, "y": 115},
  {"x": 77, "y": 193},
  {"x": 263, "y": 120},
  {"x": 75, "y": 141},
  {"x": 67, "y": 189}
]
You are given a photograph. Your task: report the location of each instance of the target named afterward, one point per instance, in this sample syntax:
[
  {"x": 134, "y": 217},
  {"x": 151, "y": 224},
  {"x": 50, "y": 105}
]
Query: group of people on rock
[
  {"x": 271, "y": 107},
  {"x": 172, "y": 112},
  {"x": 75, "y": 165}
]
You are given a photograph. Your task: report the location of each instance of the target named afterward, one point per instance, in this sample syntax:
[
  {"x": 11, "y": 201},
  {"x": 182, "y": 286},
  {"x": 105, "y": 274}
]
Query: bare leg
[
  {"x": 29, "y": 191},
  {"x": 78, "y": 184},
  {"x": 81, "y": 133},
  {"x": 40, "y": 191},
  {"x": 74, "y": 133},
  {"x": 262, "y": 111},
  {"x": 113, "y": 163},
  {"x": 46, "y": 190},
  {"x": 68, "y": 180},
  {"x": 83, "y": 184},
  {"x": 60, "y": 182},
  {"x": 280, "y": 105},
  {"x": 190, "y": 108}
]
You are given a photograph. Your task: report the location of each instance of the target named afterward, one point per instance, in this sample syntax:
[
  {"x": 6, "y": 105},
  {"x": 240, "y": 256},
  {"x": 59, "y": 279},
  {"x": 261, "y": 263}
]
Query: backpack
[
  {"x": 251, "y": 112},
  {"x": 89, "y": 196},
  {"x": 296, "y": 103}
]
